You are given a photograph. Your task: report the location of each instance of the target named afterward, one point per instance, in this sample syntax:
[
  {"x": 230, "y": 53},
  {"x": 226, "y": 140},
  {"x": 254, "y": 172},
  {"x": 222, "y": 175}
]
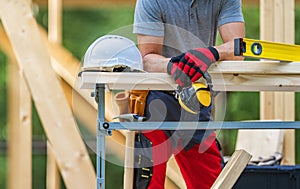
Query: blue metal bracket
[
  {"x": 101, "y": 133},
  {"x": 201, "y": 125}
]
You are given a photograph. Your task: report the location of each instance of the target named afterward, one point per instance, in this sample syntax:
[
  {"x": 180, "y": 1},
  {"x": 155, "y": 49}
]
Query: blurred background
[{"x": 83, "y": 22}]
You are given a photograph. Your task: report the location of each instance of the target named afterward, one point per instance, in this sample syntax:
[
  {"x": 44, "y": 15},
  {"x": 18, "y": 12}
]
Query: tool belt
[{"x": 137, "y": 101}]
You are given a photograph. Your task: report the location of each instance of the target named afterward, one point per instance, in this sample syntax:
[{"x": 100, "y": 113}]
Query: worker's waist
[{"x": 173, "y": 93}]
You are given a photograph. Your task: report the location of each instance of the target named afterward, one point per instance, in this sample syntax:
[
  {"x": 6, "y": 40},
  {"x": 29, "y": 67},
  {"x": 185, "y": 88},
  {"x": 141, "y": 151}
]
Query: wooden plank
[
  {"x": 55, "y": 21},
  {"x": 55, "y": 36},
  {"x": 129, "y": 160},
  {"x": 122, "y": 101},
  {"x": 170, "y": 184},
  {"x": 173, "y": 172},
  {"x": 232, "y": 170},
  {"x": 263, "y": 67},
  {"x": 289, "y": 147},
  {"x": 289, "y": 98},
  {"x": 277, "y": 24},
  {"x": 52, "y": 177},
  {"x": 19, "y": 129},
  {"x": 56, "y": 116},
  {"x": 163, "y": 81},
  {"x": 19, "y": 124}
]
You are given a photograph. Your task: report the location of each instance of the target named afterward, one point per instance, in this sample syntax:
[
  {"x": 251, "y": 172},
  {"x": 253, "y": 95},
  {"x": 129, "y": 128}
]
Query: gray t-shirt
[{"x": 185, "y": 24}]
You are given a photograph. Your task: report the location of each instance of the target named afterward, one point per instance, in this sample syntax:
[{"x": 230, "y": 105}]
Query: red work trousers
[{"x": 199, "y": 167}]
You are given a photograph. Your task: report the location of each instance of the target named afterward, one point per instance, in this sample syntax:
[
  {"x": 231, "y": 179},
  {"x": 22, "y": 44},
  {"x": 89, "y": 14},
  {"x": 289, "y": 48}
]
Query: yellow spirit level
[{"x": 266, "y": 50}]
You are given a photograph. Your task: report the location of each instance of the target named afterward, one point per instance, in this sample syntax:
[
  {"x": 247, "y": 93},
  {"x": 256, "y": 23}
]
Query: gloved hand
[{"x": 190, "y": 66}]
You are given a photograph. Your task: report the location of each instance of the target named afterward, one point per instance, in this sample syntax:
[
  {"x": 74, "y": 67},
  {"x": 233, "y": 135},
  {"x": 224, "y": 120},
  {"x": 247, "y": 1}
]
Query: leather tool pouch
[{"x": 137, "y": 101}]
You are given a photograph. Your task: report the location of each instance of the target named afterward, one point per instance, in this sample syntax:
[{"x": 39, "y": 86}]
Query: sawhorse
[
  {"x": 105, "y": 128},
  {"x": 226, "y": 76}
]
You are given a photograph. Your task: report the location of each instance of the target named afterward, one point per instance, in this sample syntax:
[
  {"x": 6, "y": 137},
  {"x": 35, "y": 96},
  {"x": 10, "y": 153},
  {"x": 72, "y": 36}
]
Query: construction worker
[{"x": 178, "y": 37}]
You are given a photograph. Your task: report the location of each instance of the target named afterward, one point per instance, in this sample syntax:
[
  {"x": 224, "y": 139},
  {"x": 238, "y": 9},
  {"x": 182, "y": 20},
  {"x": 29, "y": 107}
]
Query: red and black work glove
[{"x": 190, "y": 66}]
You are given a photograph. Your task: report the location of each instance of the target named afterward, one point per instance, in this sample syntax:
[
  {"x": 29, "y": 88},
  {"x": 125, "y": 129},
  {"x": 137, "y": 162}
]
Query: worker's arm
[
  {"x": 151, "y": 47},
  {"x": 228, "y": 33},
  {"x": 151, "y": 50}
]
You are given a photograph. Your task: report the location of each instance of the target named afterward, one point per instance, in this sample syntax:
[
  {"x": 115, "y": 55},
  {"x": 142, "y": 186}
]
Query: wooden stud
[
  {"x": 232, "y": 170},
  {"x": 19, "y": 130},
  {"x": 170, "y": 184},
  {"x": 277, "y": 24},
  {"x": 55, "y": 36},
  {"x": 55, "y": 21},
  {"x": 19, "y": 123},
  {"x": 174, "y": 174},
  {"x": 52, "y": 177},
  {"x": 129, "y": 160},
  {"x": 289, "y": 97},
  {"x": 72, "y": 157}
]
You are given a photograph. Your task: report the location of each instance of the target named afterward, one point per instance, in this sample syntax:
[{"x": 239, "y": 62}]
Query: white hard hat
[{"x": 112, "y": 51}]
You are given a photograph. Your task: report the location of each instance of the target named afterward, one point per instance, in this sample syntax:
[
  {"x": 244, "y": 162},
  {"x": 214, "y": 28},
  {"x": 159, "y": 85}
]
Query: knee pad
[{"x": 143, "y": 163}]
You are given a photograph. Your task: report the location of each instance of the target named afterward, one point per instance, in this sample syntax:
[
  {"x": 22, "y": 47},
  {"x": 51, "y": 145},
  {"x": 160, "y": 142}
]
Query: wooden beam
[
  {"x": 170, "y": 184},
  {"x": 129, "y": 160},
  {"x": 278, "y": 25},
  {"x": 19, "y": 123},
  {"x": 55, "y": 36},
  {"x": 289, "y": 98},
  {"x": 55, "y": 21},
  {"x": 232, "y": 170},
  {"x": 52, "y": 177},
  {"x": 19, "y": 129},
  {"x": 222, "y": 80},
  {"x": 174, "y": 174},
  {"x": 56, "y": 116}
]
